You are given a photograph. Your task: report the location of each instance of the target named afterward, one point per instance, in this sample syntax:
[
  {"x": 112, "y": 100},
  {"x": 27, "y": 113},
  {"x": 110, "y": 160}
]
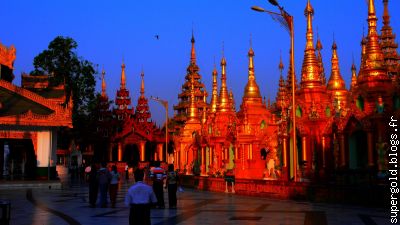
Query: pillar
[
  {"x": 159, "y": 155},
  {"x": 323, "y": 152},
  {"x": 342, "y": 151},
  {"x": 142, "y": 151},
  {"x": 284, "y": 152},
  {"x": 203, "y": 161},
  {"x": 370, "y": 149},
  {"x": 304, "y": 148},
  {"x": 119, "y": 151},
  {"x": 236, "y": 153},
  {"x": 250, "y": 151}
]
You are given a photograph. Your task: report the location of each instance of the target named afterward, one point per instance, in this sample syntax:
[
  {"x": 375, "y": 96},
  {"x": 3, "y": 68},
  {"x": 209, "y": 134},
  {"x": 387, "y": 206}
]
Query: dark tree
[{"x": 61, "y": 62}]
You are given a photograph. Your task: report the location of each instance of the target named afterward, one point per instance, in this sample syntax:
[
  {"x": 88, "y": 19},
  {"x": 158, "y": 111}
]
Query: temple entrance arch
[
  {"x": 358, "y": 155},
  {"x": 131, "y": 154},
  {"x": 150, "y": 150}
]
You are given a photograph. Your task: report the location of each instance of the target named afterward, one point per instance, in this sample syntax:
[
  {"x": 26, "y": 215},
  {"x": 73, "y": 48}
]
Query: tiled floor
[{"x": 70, "y": 206}]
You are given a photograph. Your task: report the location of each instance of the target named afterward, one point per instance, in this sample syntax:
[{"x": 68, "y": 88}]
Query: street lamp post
[
  {"x": 165, "y": 104},
  {"x": 288, "y": 24}
]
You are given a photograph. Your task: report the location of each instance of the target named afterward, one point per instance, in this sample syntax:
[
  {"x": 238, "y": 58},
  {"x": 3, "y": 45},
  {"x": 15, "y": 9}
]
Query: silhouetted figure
[
  {"x": 114, "y": 185},
  {"x": 93, "y": 186},
  {"x": 158, "y": 176},
  {"x": 139, "y": 198},
  {"x": 172, "y": 184},
  {"x": 104, "y": 178}
]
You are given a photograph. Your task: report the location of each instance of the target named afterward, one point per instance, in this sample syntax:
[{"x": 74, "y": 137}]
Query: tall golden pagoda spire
[
  {"x": 193, "y": 117},
  {"x": 373, "y": 61},
  {"x": 214, "y": 96},
  {"x": 310, "y": 71},
  {"x": 103, "y": 83},
  {"x": 193, "y": 51},
  {"x": 251, "y": 90},
  {"x": 123, "y": 79},
  {"x": 319, "y": 59},
  {"x": 223, "y": 103},
  {"x": 353, "y": 84},
  {"x": 388, "y": 44},
  {"x": 281, "y": 98},
  {"x": 142, "y": 83},
  {"x": 336, "y": 81}
]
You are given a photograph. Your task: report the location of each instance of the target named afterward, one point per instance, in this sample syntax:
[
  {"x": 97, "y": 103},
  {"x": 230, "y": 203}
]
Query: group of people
[
  {"x": 104, "y": 181},
  {"x": 141, "y": 197}
]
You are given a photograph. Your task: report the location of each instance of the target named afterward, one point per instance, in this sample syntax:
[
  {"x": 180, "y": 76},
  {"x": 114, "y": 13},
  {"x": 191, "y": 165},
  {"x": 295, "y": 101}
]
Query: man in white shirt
[{"x": 139, "y": 198}]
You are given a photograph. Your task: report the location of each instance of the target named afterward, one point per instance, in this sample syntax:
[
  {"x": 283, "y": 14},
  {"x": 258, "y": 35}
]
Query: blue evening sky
[{"x": 108, "y": 31}]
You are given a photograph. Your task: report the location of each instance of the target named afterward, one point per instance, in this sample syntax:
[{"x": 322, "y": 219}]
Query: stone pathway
[{"x": 70, "y": 206}]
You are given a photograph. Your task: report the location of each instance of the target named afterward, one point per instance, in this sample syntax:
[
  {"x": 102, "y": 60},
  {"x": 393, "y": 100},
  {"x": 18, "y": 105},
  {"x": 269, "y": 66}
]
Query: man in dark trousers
[
  {"x": 139, "y": 198},
  {"x": 158, "y": 177}
]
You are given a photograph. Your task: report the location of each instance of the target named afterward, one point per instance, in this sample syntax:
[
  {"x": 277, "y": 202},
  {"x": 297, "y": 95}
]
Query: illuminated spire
[
  {"x": 204, "y": 114},
  {"x": 232, "y": 101},
  {"x": 319, "y": 59},
  {"x": 388, "y": 44},
  {"x": 193, "y": 117},
  {"x": 193, "y": 51},
  {"x": 353, "y": 84},
  {"x": 251, "y": 90},
  {"x": 123, "y": 79},
  {"x": 214, "y": 96},
  {"x": 142, "y": 84},
  {"x": 103, "y": 84},
  {"x": 223, "y": 103},
  {"x": 281, "y": 98},
  {"x": 310, "y": 71},
  {"x": 336, "y": 81},
  {"x": 373, "y": 61}
]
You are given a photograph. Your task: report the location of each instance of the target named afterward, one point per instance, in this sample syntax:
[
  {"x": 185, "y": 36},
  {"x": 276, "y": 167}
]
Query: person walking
[
  {"x": 140, "y": 197},
  {"x": 114, "y": 185},
  {"x": 104, "y": 178},
  {"x": 172, "y": 184},
  {"x": 158, "y": 176},
  {"x": 93, "y": 186},
  {"x": 127, "y": 172}
]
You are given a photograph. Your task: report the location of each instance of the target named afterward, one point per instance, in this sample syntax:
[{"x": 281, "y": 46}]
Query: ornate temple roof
[{"x": 19, "y": 106}]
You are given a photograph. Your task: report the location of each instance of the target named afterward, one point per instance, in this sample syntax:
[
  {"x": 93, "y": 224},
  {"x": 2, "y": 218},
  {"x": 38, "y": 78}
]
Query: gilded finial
[
  {"x": 251, "y": 90},
  {"x": 123, "y": 79},
  {"x": 193, "y": 51},
  {"x": 281, "y": 67},
  {"x": 223, "y": 103},
  {"x": 142, "y": 83},
  {"x": 336, "y": 81},
  {"x": 310, "y": 73},
  {"x": 214, "y": 96},
  {"x": 103, "y": 83}
]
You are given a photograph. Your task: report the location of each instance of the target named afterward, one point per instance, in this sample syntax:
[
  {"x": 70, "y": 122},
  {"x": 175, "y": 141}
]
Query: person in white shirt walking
[{"x": 140, "y": 197}]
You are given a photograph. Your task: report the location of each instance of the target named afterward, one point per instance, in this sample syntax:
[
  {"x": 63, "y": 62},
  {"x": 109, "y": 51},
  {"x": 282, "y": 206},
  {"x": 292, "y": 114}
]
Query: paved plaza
[{"x": 69, "y": 205}]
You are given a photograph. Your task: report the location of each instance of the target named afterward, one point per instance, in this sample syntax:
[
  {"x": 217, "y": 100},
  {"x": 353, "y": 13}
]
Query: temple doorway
[
  {"x": 358, "y": 155},
  {"x": 17, "y": 159},
  {"x": 131, "y": 154}
]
